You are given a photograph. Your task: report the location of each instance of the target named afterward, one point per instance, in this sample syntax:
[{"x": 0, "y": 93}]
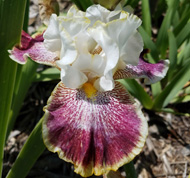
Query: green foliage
[
  {"x": 109, "y": 4},
  {"x": 47, "y": 75},
  {"x": 138, "y": 92},
  {"x": 31, "y": 150},
  {"x": 11, "y": 20},
  {"x": 146, "y": 19},
  {"x": 176, "y": 83},
  {"x": 82, "y": 4},
  {"x": 171, "y": 41}
]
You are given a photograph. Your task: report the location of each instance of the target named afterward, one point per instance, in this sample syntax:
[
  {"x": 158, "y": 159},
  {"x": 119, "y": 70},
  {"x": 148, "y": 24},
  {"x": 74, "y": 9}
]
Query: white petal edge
[{"x": 52, "y": 41}]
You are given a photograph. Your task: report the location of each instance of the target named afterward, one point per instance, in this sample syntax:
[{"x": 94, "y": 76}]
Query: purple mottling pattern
[
  {"x": 99, "y": 130},
  {"x": 33, "y": 48},
  {"x": 151, "y": 72}
]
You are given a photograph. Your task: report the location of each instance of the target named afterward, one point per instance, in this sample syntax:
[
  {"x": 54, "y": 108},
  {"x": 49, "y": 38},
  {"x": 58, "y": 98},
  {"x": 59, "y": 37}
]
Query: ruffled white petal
[
  {"x": 121, "y": 30},
  {"x": 84, "y": 43},
  {"x": 94, "y": 45},
  {"x": 71, "y": 77},
  {"x": 132, "y": 48},
  {"x": 51, "y": 36},
  {"x": 74, "y": 12},
  {"x": 105, "y": 83},
  {"x": 68, "y": 51},
  {"x": 109, "y": 47},
  {"x": 75, "y": 25},
  {"x": 97, "y": 12}
]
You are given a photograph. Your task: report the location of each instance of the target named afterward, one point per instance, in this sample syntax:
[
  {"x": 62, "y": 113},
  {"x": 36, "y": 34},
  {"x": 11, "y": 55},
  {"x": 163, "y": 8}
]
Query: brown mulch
[{"x": 166, "y": 153}]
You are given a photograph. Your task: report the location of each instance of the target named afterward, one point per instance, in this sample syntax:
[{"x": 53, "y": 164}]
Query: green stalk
[
  {"x": 11, "y": 20},
  {"x": 146, "y": 18},
  {"x": 30, "y": 152}
]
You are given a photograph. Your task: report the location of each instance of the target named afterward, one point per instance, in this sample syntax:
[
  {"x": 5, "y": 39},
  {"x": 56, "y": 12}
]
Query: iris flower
[{"x": 90, "y": 119}]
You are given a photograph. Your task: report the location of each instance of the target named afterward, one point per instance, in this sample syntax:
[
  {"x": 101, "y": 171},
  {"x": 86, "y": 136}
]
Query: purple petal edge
[
  {"x": 33, "y": 48},
  {"x": 151, "y": 72}
]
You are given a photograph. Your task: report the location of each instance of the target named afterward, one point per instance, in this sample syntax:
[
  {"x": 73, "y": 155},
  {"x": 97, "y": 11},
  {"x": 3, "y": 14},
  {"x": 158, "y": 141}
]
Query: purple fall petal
[
  {"x": 96, "y": 134},
  {"x": 33, "y": 48},
  {"x": 151, "y": 72}
]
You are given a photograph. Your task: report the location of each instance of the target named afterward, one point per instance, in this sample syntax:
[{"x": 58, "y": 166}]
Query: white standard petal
[
  {"x": 131, "y": 50},
  {"x": 68, "y": 52},
  {"x": 84, "y": 43},
  {"x": 123, "y": 32},
  {"x": 92, "y": 65},
  {"x": 120, "y": 30},
  {"x": 75, "y": 25},
  {"x": 97, "y": 12},
  {"x": 109, "y": 47},
  {"x": 71, "y": 77},
  {"x": 74, "y": 11},
  {"x": 52, "y": 40},
  {"x": 83, "y": 62},
  {"x": 105, "y": 83}
]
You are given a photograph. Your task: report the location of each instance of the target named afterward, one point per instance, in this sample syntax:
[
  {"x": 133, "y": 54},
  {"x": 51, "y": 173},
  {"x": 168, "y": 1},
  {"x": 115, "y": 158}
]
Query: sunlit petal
[
  {"x": 96, "y": 134},
  {"x": 72, "y": 77},
  {"x": 52, "y": 39},
  {"x": 109, "y": 47},
  {"x": 97, "y": 12},
  {"x": 33, "y": 48},
  {"x": 151, "y": 72},
  {"x": 75, "y": 12},
  {"x": 131, "y": 49}
]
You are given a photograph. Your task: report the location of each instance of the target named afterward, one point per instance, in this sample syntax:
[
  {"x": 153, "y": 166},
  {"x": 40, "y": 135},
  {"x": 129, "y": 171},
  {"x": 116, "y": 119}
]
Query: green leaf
[
  {"x": 146, "y": 18},
  {"x": 181, "y": 99},
  {"x": 83, "y": 4},
  {"x": 162, "y": 40},
  {"x": 149, "y": 44},
  {"x": 24, "y": 77},
  {"x": 109, "y": 4},
  {"x": 158, "y": 7},
  {"x": 184, "y": 53},
  {"x": 173, "y": 87},
  {"x": 47, "y": 75},
  {"x": 172, "y": 54},
  {"x": 11, "y": 20},
  {"x": 156, "y": 89},
  {"x": 132, "y": 3},
  {"x": 138, "y": 92},
  {"x": 183, "y": 35},
  {"x": 28, "y": 155},
  {"x": 182, "y": 22},
  {"x": 130, "y": 170},
  {"x": 169, "y": 110},
  {"x": 7, "y": 81}
]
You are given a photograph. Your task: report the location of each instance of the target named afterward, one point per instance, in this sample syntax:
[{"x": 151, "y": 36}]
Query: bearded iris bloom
[{"x": 90, "y": 119}]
